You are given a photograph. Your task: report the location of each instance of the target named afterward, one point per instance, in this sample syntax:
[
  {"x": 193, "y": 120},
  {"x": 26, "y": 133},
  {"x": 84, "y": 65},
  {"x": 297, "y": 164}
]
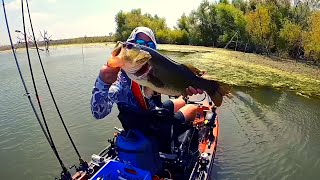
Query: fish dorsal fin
[{"x": 194, "y": 69}]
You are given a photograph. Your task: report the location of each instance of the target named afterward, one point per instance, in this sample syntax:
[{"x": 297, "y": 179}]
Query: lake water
[{"x": 265, "y": 134}]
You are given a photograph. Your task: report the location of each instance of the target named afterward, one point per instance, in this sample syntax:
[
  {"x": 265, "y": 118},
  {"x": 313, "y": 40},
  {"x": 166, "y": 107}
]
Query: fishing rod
[
  {"x": 65, "y": 173},
  {"x": 27, "y": 92},
  {"x": 83, "y": 164}
]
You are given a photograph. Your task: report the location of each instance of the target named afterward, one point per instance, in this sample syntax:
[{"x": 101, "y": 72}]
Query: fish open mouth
[
  {"x": 117, "y": 49},
  {"x": 143, "y": 70}
]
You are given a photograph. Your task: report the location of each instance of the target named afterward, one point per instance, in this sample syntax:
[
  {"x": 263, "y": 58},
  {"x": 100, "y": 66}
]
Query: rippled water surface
[{"x": 265, "y": 134}]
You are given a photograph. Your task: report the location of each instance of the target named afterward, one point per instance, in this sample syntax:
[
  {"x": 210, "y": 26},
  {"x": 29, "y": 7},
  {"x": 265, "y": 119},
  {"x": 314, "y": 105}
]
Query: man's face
[
  {"x": 143, "y": 37},
  {"x": 144, "y": 40}
]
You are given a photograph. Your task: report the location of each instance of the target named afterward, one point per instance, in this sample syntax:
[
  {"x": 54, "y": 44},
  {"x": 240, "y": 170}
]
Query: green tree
[
  {"x": 231, "y": 21},
  {"x": 312, "y": 37},
  {"x": 291, "y": 36},
  {"x": 126, "y": 22},
  {"x": 252, "y": 5},
  {"x": 163, "y": 37},
  {"x": 179, "y": 37},
  {"x": 203, "y": 29},
  {"x": 224, "y": 1},
  {"x": 259, "y": 26},
  {"x": 268, "y": 25},
  {"x": 183, "y": 23},
  {"x": 274, "y": 10},
  {"x": 300, "y": 14},
  {"x": 241, "y": 4},
  {"x": 120, "y": 20}
]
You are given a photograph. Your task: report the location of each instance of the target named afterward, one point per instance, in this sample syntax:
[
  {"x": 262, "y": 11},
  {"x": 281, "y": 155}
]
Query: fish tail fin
[{"x": 217, "y": 91}]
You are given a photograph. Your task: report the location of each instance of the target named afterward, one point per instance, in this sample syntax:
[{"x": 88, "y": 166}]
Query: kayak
[{"x": 191, "y": 157}]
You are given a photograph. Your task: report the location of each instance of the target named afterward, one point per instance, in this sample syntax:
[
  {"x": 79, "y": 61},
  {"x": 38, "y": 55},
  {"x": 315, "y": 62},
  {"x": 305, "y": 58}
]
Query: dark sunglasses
[{"x": 150, "y": 44}]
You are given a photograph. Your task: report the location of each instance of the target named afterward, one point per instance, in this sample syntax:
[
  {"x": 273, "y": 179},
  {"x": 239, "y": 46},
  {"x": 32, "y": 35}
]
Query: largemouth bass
[{"x": 159, "y": 73}]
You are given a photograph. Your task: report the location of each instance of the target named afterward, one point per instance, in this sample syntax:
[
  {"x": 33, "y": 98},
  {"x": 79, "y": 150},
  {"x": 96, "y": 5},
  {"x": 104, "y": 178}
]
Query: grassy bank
[{"x": 245, "y": 69}]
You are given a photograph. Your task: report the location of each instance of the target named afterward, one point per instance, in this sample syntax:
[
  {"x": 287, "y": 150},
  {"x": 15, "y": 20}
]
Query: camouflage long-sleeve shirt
[{"x": 104, "y": 95}]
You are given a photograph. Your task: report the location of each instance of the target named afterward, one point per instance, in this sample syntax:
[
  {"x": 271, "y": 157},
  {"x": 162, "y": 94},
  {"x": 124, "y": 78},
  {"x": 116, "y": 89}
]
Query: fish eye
[{"x": 129, "y": 46}]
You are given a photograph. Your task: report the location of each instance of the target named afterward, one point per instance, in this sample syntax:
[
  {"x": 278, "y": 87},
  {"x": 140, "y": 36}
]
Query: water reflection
[
  {"x": 263, "y": 95},
  {"x": 268, "y": 134}
]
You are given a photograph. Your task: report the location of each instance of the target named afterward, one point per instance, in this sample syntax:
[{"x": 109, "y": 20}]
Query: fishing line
[
  {"x": 36, "y": 91},
  {"x": 22, "y": 79},
  {"x": 20, "y": 73},
  {"x": 47, "y": 82}
]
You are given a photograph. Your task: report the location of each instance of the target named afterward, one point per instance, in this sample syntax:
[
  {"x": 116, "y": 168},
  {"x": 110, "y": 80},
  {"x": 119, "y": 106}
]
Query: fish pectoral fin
[
  {"x": 218, "y": 91},
  {"x": 115, "y": 61},
  {"x": 195, "y": 70},
  {"x": 155, "y": 81},
  {"x": 147, "y": 92}
]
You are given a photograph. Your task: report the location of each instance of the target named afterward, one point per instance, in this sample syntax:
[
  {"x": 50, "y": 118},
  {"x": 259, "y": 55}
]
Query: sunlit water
[{"x": 264, "y": 134}]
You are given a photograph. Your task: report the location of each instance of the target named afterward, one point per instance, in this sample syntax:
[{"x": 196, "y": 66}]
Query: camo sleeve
[{"x": 103, "y": 97}]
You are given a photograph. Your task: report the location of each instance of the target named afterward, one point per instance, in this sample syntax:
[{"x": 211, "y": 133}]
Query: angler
[{"x": 133, "y": 78}]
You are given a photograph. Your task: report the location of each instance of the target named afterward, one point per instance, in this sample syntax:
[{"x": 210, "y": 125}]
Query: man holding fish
[{"x": 134, "y": 76}]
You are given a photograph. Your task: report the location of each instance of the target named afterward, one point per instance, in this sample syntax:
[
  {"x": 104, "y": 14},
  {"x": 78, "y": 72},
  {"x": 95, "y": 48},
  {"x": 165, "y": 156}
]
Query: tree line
[
  {"x": 81, "y": 40},
  {"x": 263, "y": 26}
]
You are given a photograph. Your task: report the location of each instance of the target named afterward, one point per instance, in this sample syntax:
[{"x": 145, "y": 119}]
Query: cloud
[
  {"x": 97, "y": 25},
  {"x": 65, "y": 20},
  {"x": 39, "y": 17},
  {"x": 169, "y": 9},
  {"x": 14, "y": 5}
]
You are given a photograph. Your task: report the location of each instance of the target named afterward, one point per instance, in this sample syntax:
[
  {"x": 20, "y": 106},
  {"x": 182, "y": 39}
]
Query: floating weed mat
[{"x": 234, "y": 68}]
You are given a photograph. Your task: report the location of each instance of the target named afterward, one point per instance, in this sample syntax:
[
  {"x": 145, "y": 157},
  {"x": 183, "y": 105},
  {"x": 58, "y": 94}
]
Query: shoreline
[
  {"x": 239, "y": 68},
  {"x": 65, "y": 46}
]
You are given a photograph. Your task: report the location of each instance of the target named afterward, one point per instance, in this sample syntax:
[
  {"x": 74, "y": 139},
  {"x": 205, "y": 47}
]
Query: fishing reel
[
  {"x": 79, "y": 172},
  {"x": 205, "y": 117},
  {"x": 160, "y": 111}
]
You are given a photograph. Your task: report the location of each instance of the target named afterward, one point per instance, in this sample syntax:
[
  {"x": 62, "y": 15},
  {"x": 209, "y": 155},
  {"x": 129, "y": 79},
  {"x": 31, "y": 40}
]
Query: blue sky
[{"x": 77, "y": 18}]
